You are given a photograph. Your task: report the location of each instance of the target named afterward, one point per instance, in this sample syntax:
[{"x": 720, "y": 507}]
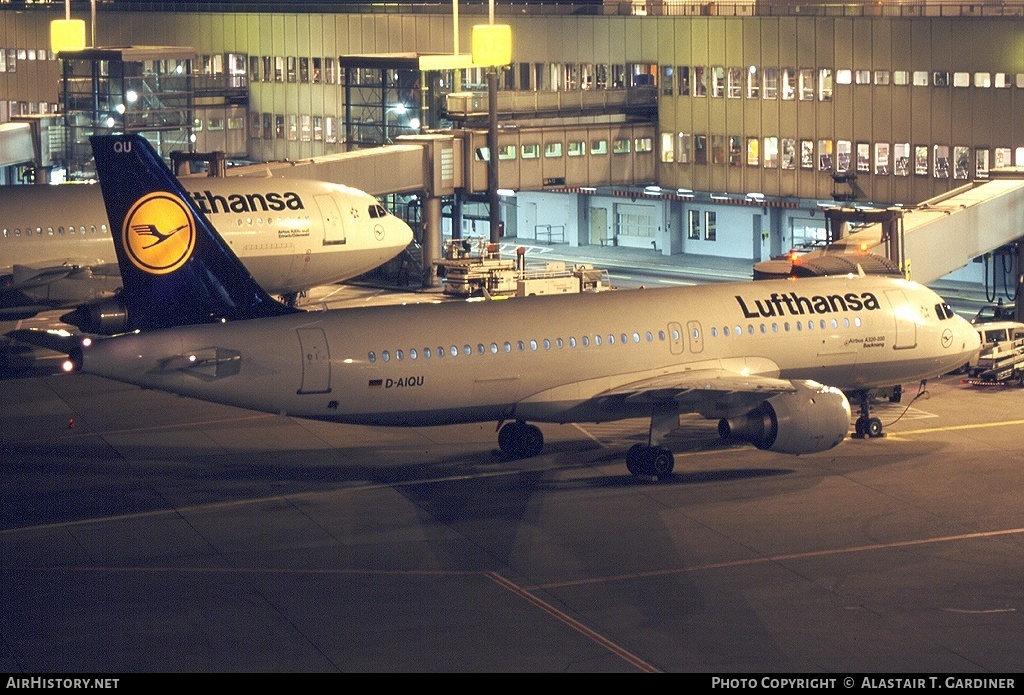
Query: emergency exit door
[{"x": 316, "y": 361}]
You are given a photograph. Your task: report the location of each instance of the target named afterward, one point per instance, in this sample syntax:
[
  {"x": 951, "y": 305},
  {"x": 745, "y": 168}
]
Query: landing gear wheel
[
  {"x": 873, "y": 428},
  {"x": 520, "y": 439},
  {"x": 660, "y": 462},
  {"x": 635, "y": 459},
  {"x": 650, "y": 460},
  {"x": 868, "y": 427}
]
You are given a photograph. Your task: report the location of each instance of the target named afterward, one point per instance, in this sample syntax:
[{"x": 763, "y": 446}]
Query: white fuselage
[
  {"x": 551, "y": 358},
  {"x": 290, "y": 234}
]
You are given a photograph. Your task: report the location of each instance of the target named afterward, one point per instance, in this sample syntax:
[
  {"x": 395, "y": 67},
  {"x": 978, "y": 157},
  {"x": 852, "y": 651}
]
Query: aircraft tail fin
[{"x": 176, "y": 268}]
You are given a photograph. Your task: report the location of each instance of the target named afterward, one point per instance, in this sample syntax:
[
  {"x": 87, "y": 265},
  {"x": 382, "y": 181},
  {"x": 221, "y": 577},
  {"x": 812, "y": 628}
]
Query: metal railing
[{"x": 672, "y": 8}]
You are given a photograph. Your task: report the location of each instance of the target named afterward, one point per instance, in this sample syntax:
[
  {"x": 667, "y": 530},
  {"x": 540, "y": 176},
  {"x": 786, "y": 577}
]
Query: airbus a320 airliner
[
  {"x": 771, "y": 360},
  {"x": 56, "y": 252}
]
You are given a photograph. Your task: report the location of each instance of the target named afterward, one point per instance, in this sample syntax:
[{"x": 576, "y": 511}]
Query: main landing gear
[
  {"x": 652, "y": 458},
  {"x": 866, "y": 425},
  {"x": 522, "y": 440}
]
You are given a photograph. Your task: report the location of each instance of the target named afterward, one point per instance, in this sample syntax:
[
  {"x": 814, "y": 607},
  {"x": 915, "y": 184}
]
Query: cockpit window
[
  {"x": 944, "y": 311},
  {"x": 377, "y": 211}
]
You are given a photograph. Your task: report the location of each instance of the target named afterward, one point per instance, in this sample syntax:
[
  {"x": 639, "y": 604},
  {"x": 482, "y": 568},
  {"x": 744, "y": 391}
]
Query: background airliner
[
  {"x": 754, "y": 355},
  {"x": 56, "y": 251}
]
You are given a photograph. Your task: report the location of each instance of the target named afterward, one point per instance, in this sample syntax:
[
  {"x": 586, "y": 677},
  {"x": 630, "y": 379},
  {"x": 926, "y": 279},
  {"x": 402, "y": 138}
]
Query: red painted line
[{"x": 782, "y": 558}]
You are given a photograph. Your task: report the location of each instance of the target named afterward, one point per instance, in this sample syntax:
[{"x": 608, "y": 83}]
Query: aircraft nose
[
  {"x": 969, "y": 335},
  {"x": 402, "y": 233}
]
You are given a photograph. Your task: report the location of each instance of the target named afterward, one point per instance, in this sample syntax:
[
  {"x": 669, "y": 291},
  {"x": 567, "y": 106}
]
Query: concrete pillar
[
  {"x": 431, "y": 246},
  {"x": 457, "y": 213}
]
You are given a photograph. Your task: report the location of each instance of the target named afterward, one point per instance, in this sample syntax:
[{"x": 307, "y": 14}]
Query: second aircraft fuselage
[
  {"x": 290, "y": 234},
  {"x": 549, "y": 358}
]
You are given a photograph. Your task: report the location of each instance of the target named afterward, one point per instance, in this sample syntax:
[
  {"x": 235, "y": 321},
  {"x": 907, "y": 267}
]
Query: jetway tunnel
[{"x": 923, "y": 243}]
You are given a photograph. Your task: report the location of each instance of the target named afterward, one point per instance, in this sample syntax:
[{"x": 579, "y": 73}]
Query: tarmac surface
[{"x": 143, "y": 532}]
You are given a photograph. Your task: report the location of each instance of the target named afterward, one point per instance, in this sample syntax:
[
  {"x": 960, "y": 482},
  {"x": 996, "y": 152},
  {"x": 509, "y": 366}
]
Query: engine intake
[{"x": 815, "y": 418}]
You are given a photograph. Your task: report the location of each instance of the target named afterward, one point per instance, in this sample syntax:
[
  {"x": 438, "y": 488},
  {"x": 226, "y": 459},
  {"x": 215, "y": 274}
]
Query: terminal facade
[{"x": 762, "y": 117}]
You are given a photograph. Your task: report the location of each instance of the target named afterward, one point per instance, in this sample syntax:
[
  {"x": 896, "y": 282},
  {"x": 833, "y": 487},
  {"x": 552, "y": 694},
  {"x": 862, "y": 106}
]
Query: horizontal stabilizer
[
  {"x": 26, "y": 277},
  {"x": 58, "y": 341}
]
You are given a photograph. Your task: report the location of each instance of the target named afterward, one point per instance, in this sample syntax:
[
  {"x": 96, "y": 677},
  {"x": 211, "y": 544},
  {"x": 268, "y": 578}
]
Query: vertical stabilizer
[{"x": 176, "y": 268}]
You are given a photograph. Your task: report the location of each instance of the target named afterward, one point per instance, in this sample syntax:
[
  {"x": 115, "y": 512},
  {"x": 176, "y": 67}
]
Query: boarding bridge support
[
  {"x": 1019, "y": 290},
  {"x": 838, "y": 222},
  {"x": 431, "y": 241}
]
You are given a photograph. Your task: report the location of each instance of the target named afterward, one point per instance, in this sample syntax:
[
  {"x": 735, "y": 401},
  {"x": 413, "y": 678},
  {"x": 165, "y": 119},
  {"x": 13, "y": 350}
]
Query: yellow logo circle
[{"x": 159, "y": 233}]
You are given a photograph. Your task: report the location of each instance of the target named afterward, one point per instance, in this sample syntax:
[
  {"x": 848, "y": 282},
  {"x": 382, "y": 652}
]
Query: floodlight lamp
[
  {"x": 67, "y": 35},
  {"x": 492, "y": 44}
]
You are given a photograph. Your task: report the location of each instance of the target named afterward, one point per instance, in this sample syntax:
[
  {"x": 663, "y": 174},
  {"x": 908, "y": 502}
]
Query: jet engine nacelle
[
  {"x": 815, "y": 418},
  {"x": 106, "y": 317}
]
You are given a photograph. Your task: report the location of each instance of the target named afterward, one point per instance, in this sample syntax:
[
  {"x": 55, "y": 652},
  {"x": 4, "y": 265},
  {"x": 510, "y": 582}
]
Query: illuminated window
[
  {"x": 961, "y": 163},
  {"x": 771, "y": 83},
  {"x": 683, "y": 148},
  {"x": 717, "y": 81},
  {"x": 940, "y": 161},
  {"x": 771, "y": 152},
  {"x": 844, "y": 155},
  {"x": 901, "y": 154},
  {"x": 753, "y": 152},
  {"x": 700, "y": 81},
  {"x": 806, "y": 84},
  {"x": 735, "y": 83},
  {"x": 825, "y": 85},
  {"x": 683, "y": 75},
  {"x": 882, "y": 158},
  {"x": 668, "y": 150},
  {"x": 788, "y": 84}
]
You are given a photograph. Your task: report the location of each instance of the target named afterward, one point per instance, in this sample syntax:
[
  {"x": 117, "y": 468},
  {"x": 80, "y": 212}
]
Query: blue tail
[{"x": 176, "y": 269}]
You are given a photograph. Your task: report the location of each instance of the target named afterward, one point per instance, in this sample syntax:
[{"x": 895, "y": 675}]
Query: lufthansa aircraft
[
  {"x": 56, "y": 252},
  {"x": 770, "y": 359}
]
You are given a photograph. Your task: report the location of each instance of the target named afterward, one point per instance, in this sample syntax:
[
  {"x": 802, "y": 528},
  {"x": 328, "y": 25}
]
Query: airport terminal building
[{"x": 700, "y": 128}]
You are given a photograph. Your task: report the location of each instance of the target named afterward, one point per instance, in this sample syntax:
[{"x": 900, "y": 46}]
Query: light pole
[{"x": 492, "y": 47}]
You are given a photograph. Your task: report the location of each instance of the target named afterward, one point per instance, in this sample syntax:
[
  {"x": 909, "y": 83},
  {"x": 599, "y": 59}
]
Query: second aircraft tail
[{"x": 176, "y": 269}]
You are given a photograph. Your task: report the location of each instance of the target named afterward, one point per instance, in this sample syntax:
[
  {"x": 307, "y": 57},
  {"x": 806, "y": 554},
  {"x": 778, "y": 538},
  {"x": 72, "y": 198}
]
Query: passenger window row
[
  {"x": 786, "y": 327},
  {"x": 51, "y": 231},
  {"x": 518, "y": 346}
]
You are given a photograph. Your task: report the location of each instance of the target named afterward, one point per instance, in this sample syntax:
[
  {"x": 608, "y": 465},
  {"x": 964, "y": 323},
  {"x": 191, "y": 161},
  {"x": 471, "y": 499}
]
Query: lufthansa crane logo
[{"x": 159, "y": 233}]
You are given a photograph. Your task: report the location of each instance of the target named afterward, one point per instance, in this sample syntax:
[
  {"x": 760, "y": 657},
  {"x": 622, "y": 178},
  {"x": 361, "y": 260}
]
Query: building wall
[{"x": 871, "y": 114}]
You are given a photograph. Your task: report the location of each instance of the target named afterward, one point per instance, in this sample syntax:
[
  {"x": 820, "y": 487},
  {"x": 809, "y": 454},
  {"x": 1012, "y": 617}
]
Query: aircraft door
[
  {"x": 334, "y": 226},
  {"x": 675, "y": 338},
  {"x": 695, "y": 335},
  {"x": 906, "y": 326},
  {"x": 316, "y": 361}
]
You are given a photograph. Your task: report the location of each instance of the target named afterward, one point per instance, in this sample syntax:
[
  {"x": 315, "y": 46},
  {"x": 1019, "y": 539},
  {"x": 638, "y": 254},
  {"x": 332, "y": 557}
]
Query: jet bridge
[
  {"x": 434, "y": 165},
  {"x": 924, "y": 243}
]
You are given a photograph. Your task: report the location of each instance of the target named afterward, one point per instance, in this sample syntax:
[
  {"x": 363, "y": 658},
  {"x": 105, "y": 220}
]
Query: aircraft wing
[
  {"x": 712, "y": 392},
  {"x": 29, "y": 289}
]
